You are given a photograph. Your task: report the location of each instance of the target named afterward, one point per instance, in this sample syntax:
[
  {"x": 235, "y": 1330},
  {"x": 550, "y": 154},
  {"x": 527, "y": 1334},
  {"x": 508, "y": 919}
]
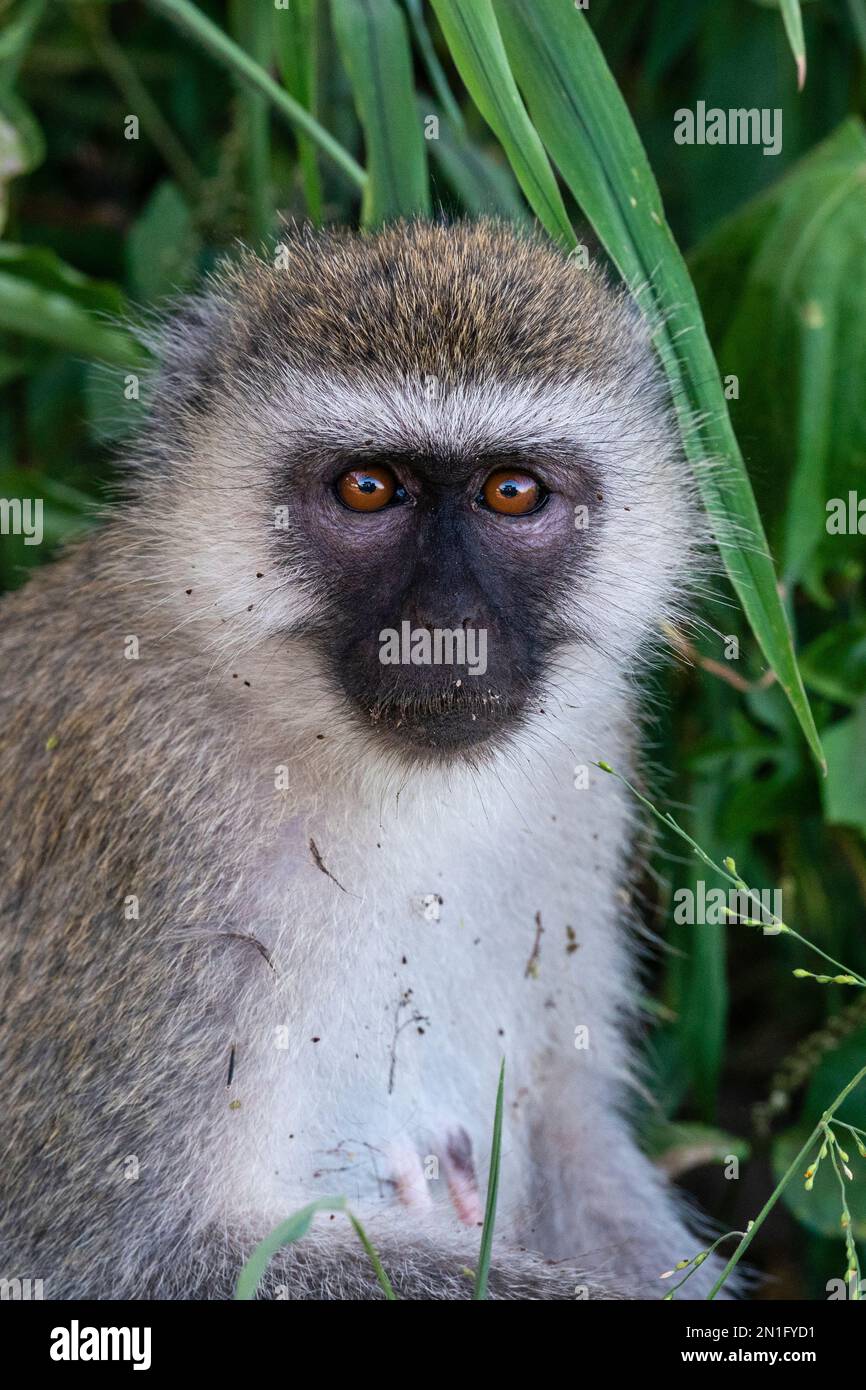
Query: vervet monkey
[{"x": 280, "y": 888}]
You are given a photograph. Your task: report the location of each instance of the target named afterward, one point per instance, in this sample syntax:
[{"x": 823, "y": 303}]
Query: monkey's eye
[
  {"x": 512, "y": 493},
  {"x": 368, "y": 489}
]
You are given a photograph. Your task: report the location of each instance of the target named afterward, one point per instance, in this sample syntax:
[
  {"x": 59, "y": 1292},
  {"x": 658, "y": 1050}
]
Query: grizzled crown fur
[{"x": 465, "y": 302}]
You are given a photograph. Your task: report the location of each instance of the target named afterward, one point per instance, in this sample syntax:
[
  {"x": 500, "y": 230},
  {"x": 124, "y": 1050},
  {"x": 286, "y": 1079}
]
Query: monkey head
[{"x": 438, "y": 469}]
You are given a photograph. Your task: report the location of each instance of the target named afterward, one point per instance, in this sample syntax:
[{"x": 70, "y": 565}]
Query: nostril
[{"x": 423, "y": 618}]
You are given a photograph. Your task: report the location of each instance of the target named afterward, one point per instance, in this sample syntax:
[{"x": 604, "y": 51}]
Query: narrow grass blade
[
  {"x": 374, "y": 45},
  {"x": 435, "y": 72},
  {"x": 793, "y": 21},
  {"x": 114, "y": 58},
  {"x": 473, "y": 36},
  {"x": 254, "y": 31},
  {"x": 485, "y": 188},
  {"x": 296, "y": 42},
  {"x": 384, "y": 1281},
  {"x": 789, "y": 260},
  {"x": 293, "y": 1229},
  {"x": 579, "y": 112},
  {"x": 483, "y": 1270},
  {"x": 190, "y": 20}
]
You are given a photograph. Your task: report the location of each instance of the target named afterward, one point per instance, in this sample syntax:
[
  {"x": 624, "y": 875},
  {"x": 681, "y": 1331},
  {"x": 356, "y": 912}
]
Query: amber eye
[
  {"x": 513, "y": 493},
  {"x": 367, "y": 489}
]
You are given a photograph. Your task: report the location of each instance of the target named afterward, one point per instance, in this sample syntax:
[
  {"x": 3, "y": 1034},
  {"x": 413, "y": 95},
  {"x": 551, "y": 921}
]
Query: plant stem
[
  {"x": 812, "y": 947},
  {"x": 709, "y": 1251},
  {"x": 667, "y": 819},
  {"x": 139, "y": 100},
  {"x": 214, "y": 41},
  {"x": 300, "y": 33},
  {"x": 782, "y": 1184},
  {"x": 852, "y": 1267},
  {"x": 384, "y": 1281},
  {"x": 252, "y": 27},
  {"x": 843, "y": 1124},
  {"x": 431, "y": 62}
]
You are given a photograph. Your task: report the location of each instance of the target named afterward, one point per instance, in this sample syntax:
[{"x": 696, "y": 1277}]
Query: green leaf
[
  {"x": 473, "y": 37},
  {"x": 435, "y": 72},
  {"x": 485, "y": 188},
  {"x": 579, "y": 112},
  {"x": 59, "y": 496},
  {"x": 857, "y": 16},
  {"x": 680, "y": 1148},
  {"x": 483, "y": 1271},
  {"x": 12, "y": 367},
  {"x": 791, "y": 262},
  {"x": 190, "y": 20},
  {"x": 372, "y": 1256},
  {"x": 16, "y": 37},
  {"x": 845, "y": 787},
  {"x": 41, "y": 266},
  {"x": 163, "y": 246},
  {"x": 294, "y": 1228},
  {"x": 793, "y": 21},
  {"x": 22, "y": 146},
  {"x": 66, "y": 513},
  {"x": 111, "y": 416},
  {"x": 374, "y": 45},
  {"x": 296, "y": 36},
  {"x": 835, "y": 663},
  {"x": 29, "y": 309},
  {"x": 253, "y": 27}
]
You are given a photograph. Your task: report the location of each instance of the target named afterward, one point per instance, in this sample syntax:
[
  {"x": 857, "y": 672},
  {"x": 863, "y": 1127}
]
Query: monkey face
[
  {"x": 442, "y": 486},
  {"x": 442, "y": 576}
]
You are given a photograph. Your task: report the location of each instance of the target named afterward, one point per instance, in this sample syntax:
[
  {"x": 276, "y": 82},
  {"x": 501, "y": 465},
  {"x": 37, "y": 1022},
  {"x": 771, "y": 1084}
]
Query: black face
[{"x": 443, "y": 583}]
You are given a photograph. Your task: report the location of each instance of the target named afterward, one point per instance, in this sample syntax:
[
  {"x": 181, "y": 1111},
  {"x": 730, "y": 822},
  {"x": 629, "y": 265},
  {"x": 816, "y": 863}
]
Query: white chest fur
[{"x": 414, "y": 947}]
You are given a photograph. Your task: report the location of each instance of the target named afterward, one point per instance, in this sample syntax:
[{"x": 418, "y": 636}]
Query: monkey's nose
[{"x": 432, "y": 616}]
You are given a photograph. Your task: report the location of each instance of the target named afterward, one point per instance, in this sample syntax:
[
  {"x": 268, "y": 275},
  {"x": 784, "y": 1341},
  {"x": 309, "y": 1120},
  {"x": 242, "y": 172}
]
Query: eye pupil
[
  {"x": 367, "y": 489},
  {"x": 512, "y": 493}
]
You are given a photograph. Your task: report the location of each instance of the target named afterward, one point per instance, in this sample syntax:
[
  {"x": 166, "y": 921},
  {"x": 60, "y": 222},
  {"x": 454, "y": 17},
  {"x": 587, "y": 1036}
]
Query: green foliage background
[{"x": 743, "y": 1057}]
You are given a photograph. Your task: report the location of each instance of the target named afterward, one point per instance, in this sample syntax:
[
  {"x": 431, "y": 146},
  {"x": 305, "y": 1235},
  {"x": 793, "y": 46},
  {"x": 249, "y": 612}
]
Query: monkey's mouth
[{"x": 445, "y": 722}]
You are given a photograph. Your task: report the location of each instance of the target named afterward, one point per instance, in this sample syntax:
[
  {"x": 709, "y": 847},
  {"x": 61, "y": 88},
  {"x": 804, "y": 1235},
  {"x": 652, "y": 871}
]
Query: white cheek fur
[{"x": 645, "y": 534}]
